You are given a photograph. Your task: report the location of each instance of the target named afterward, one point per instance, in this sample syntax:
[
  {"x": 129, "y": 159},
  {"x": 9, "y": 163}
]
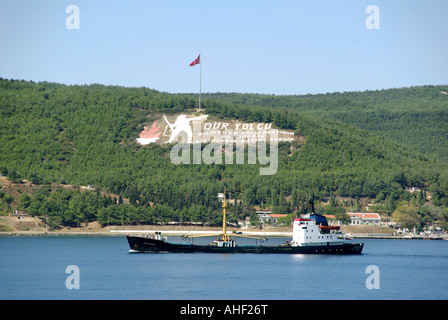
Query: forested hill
[
  {"x": 416, "y": 117},
  {"x": 86, "y": 135}
]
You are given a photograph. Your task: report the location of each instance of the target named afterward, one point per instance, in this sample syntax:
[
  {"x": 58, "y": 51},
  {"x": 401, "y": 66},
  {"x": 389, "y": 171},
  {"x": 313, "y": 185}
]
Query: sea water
[{"x": 90, "y": 267}]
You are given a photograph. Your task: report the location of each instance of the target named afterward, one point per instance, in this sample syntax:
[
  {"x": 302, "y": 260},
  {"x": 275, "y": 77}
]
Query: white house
[
  {"x": 268, "y": 217},
  {"x": 364, "y": 218}
]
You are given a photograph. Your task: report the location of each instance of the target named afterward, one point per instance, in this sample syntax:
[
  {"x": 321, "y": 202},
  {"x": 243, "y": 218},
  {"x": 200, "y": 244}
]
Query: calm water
[{"x": 35, "y": 268}]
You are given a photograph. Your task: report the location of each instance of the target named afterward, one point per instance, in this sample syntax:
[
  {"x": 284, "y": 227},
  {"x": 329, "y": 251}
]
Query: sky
[{"x": 248, "y": 46}]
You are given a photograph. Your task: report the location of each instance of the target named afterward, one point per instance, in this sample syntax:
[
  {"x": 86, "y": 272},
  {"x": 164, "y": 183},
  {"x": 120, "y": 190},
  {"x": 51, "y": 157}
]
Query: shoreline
[
  {"x": 34, "y": 227},
  {"x": 122, "y": 233}
]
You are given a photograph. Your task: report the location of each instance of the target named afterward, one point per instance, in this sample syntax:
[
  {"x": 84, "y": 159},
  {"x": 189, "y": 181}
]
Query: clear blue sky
[{"x": 256, "y": 46}]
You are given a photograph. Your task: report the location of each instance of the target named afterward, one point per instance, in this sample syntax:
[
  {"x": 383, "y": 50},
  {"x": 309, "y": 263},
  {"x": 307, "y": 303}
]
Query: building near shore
[
  {"x": 360, "y": 218},
  {"x": 20, "y": 215},
  {"x": 269, "y": 217}
]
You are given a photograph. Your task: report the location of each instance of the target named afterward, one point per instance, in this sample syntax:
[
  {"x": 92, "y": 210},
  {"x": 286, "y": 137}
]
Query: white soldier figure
[{"x": 182, "y": 124}]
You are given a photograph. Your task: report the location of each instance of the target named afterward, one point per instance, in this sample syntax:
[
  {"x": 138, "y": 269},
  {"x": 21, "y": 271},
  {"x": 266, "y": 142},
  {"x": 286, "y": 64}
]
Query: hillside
[
  {"x": 416, "y": 117},
  {"x": 86, "y": 135}
]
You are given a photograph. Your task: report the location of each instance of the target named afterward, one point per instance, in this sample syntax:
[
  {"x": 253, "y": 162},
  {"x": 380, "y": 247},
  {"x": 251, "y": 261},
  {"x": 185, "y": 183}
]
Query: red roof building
[{"x": 360, "y": 218}]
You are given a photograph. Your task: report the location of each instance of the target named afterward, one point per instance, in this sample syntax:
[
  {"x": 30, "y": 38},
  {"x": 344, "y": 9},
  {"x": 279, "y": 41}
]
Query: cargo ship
[{"x": 311, "y": 235}]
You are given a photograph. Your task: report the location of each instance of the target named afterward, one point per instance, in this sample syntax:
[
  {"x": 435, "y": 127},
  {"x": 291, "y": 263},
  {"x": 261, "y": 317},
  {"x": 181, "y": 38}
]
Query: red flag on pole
[{"x": 197, "y": 61}]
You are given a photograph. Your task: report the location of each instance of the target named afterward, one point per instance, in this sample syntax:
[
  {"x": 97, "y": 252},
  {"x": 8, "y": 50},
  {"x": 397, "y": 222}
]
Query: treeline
[
  {"x": 73, "y": 207},
  {"x": 85, "y": 135}
]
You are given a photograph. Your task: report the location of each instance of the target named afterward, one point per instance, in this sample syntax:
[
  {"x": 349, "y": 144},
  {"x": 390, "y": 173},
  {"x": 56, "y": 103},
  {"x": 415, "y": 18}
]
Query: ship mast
[{"x": 225, "y": 236}]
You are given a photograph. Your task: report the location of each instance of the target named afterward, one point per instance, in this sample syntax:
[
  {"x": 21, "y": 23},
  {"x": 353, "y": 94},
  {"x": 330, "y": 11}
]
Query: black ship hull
[{"x": 147, "y": 245}]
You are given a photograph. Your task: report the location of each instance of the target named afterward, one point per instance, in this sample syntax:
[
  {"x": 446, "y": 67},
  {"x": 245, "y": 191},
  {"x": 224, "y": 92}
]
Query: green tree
[
  {"x": 407, "y": 216},
  {"x": 332, "y": 201},
  {"x": 295, "y": 201},
  {"x": 24, "y": 201},
  {"x": 254, "y": 219}
]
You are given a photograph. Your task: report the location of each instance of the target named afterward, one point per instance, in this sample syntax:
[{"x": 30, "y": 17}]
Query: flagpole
[{"x": 200, "y": 83}]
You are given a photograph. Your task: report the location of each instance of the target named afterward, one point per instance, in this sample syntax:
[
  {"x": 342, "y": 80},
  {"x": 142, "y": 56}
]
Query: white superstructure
[{"x": 306, "y": 232}]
